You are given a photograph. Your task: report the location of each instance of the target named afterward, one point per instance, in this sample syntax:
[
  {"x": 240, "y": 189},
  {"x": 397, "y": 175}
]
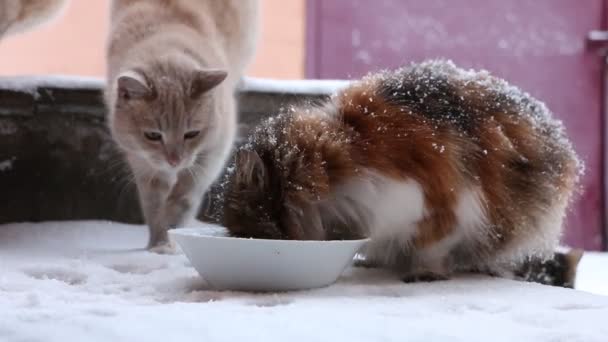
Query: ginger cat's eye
[
  {"x": 191, "y": 135},
  {"x": 153, "y": 136}
]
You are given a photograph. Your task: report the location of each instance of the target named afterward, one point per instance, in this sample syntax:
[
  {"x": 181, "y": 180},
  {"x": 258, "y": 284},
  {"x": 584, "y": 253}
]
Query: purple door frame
[
  {"x": 604, "y": 52},
  {"x": 543, "y": 50}
]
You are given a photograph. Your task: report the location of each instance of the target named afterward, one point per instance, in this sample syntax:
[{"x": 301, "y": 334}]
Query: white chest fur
[{"x": 390, "y": 208}]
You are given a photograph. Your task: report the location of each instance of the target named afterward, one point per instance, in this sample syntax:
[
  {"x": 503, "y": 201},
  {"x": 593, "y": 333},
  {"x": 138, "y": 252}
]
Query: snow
[
  {"x": 593, "y": 273},
  {"x": 31, "y": 84},
  {"x": 91, "y": 281},
  {"x": 305, "y": 87}
]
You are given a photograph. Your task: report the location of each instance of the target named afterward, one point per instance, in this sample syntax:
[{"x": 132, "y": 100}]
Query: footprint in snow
[
  {"x": 140, "y": 269},
  {"x": 65, "y": 275}
]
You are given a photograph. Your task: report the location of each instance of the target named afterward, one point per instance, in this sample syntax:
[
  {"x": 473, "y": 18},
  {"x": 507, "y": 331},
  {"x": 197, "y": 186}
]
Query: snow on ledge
[
  {"x": 31, "y": 84},
  {"x": 306, "y": 87}
]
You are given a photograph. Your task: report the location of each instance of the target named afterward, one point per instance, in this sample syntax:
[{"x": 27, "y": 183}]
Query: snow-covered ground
[{"x": 91, "y": 281}]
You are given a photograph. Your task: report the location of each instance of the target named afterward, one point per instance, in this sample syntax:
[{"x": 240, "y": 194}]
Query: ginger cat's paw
[{"x": 164, "y": 248}]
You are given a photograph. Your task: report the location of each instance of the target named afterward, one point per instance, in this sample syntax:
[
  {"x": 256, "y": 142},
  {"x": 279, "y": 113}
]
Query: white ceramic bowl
[{"x": 228, "y": 263}]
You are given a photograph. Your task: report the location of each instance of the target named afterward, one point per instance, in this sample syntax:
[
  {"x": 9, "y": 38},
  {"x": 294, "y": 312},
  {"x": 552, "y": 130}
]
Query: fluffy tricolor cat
[
  {"x": 173, "y": 66},
  {"x": 444, "y": 169}
]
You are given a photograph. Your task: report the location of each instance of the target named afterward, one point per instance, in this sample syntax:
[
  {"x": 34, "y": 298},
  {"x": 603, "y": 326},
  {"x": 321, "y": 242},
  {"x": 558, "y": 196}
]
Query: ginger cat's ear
[
  {"x": 132, "y": 85},
  {"x": 205, "y": 80}
]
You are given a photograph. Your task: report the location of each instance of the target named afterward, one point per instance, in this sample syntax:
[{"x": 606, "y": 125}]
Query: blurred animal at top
[{"x": 18, "y": 16}]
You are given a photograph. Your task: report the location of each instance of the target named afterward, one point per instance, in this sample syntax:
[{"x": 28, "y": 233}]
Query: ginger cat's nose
[{"x": 173, "y": 159}]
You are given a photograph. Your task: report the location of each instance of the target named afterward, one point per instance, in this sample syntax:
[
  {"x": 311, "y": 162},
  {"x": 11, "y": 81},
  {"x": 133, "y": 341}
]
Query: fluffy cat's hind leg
[
  {"x": 427, "y": 265},
  {"x": 404, "y": 268},
  {"x": 424, "y": 277},
  {"x": 425, "y": 271}
]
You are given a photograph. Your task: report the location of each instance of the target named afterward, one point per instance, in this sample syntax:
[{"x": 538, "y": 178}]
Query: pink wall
[
  {"x": 74, "y": 43},
  {"x": 538, "y": 45}
]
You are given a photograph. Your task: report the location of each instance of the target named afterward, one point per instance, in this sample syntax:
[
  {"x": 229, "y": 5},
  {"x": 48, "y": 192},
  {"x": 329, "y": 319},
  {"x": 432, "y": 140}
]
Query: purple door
[{"x": 540, "y": 45}]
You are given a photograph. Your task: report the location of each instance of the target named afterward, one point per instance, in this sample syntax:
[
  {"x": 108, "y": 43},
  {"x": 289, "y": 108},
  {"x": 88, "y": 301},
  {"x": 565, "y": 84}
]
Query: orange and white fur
[
  {"x": 173, "y": 67},
  {"x": 18, "y": 16},
  {"x": 444, "y": 169}
]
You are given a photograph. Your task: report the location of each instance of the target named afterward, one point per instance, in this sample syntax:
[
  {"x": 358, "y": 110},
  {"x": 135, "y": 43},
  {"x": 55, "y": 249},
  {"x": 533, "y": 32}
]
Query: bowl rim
[{"x": 183, "y": 232}]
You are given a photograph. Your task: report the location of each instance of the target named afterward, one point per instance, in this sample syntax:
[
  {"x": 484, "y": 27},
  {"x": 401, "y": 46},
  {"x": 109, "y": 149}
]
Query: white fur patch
[
  {"x": 390, "y": 209},
  {"x": 471, "y": 215},
  {"x": 398, "y": 206},
  {"x": 393, "y": 206}
]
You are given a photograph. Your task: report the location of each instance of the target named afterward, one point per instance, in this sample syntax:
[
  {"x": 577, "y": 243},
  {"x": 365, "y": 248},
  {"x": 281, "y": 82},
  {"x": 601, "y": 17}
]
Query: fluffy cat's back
[
  {"x": 458, "y": 131},
  {"x": 497, "y": 116},
  {"x": 464, "y": 106}
]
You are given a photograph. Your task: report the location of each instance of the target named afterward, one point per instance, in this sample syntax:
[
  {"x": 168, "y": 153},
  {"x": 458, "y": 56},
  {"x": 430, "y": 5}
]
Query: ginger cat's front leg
[
  {"x": 184, "y": 201},
  {"x": 154, "y": 191},
  {"x": 179, "y": 206}
]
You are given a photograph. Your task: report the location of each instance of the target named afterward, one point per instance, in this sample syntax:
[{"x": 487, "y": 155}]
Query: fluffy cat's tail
[
  {"x": 18, "y": 16},
  {"x": 560, "y": 270}
]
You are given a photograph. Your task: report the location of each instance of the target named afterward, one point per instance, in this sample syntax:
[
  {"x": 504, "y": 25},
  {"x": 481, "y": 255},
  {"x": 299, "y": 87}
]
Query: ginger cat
[{"x": 172, "y": 71}]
